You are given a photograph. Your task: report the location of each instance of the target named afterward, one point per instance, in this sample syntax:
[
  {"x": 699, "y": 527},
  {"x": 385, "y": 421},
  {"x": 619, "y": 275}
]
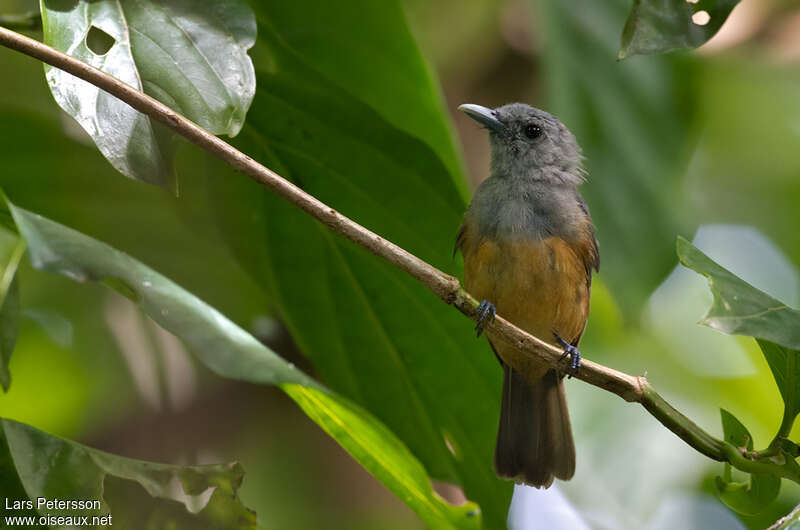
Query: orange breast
[{"x": 539, "y": 285}]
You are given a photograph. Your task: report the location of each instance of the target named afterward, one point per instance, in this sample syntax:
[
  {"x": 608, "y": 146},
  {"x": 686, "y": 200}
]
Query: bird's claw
[
  {"x": 573, "y": 354},
  {"x": 486, "y": 313}
]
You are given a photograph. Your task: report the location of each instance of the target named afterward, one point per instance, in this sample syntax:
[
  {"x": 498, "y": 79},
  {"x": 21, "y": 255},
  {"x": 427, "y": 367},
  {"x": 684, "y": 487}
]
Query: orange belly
[{"x": 539, "y": 285}]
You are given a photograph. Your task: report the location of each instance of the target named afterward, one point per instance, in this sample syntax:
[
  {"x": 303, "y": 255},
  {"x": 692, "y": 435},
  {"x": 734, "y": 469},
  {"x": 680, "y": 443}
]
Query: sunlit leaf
[
  {"x": 231, "y": 352},
  {"x": 189, "y": 55},
  {"x": 144, "y": 494},
  {"x": 372, "y": 444},
  {"x": 656, "y": 26},
  {"x": 754, "y": 495}
]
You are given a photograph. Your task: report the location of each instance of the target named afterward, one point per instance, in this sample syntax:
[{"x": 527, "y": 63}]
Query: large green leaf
[
  {"x": 656, "y": 26},
  {"x": 373, "y": 333},
  {"x": 231, "y": 352},
  {"x": 633, "y": 121},
  {"x": 738, "y": 307},
  {"x": 368, "y": 50},
  {"x": 754, "y": 495},
  {"x": 189, "y": 55},
  {"x": 136, "y": 494}
]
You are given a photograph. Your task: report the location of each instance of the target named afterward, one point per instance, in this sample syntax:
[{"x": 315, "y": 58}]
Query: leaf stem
[
  {"x": 10, "y": 270},
  {"x": 446, "y": 287},
  {"x": 685, "y": 428}
]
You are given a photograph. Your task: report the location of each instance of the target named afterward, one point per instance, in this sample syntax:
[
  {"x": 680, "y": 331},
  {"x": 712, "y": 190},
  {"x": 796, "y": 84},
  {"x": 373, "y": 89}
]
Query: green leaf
[
  {"x": 366, "y": 49},
  {"x": 785, "y": 366},
  {"x": 373, "y": 333},
  {"x": 189, "y": 55},
  {"x": 741, "y": 309},
  {"x": 634, "y": 123},
  {"x": 656, "y": 26},
  {"x": 12, "y": 247},
  {"x": 744, "y": 497},
  {"x": 9, "y": 327},
  {"x": 137, "y": 494},
  {"x": 738, "y": 307},
  {"x": 366, "y": 439},
  {"x": 734, "y": 432},
  {"x": 789, "y": 522},
  {"x": 231, "y": 352}
]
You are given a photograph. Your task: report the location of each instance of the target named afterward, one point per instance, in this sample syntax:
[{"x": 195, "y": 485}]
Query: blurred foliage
[
  {"x": 657, "y": 27},
  {"x": 671, "y": 141},
  {"x": 634, "y": 121},
  {"x": 12, "y": 247},
  {"x": 11, "y": 250}
]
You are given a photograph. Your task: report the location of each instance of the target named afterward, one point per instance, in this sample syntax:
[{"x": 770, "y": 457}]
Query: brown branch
[{"x": 446, "y": 287}]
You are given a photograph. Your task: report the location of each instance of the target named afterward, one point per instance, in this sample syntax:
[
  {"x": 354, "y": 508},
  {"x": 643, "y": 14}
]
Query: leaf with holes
[
  {"x": 229, "y": 351},
  {"x": 754, "y": 495},
  {"x": 656, "y": 26},
  {"x": 135, "y": 493},
  {"x": 189, "y": 55}
]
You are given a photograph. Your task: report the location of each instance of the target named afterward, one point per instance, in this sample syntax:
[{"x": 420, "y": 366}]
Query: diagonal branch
[{"x": 446, "y": 287}]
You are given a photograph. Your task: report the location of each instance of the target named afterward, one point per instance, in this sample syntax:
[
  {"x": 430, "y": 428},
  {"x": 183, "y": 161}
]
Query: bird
[{"x": 529, "y": 248}]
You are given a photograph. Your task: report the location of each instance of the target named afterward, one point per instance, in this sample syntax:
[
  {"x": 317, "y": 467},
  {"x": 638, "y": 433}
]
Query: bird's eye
[{"x": 533, "y": 131}]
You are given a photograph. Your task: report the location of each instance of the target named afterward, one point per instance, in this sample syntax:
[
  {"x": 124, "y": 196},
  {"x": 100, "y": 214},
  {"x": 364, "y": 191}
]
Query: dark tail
[{"x": 534, "y": 441}]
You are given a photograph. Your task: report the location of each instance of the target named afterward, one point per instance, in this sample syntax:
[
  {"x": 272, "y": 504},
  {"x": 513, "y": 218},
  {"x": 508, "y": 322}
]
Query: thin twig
[{"x": 446, "y": 287}]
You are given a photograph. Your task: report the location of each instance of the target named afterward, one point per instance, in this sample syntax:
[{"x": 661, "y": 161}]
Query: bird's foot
[
  {"x": 486, "y": 313},
  {"x": 572, "y": 353}
]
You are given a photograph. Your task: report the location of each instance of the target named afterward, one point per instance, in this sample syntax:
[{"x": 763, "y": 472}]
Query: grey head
[{"x": 530, "y": 144}]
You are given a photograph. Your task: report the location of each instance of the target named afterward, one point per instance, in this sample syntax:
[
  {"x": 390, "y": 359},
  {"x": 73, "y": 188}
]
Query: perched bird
[{"x": 529, "y": 249}]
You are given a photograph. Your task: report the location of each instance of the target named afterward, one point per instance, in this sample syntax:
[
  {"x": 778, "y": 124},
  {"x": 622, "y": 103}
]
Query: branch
[{"x": 446, "y": 287}]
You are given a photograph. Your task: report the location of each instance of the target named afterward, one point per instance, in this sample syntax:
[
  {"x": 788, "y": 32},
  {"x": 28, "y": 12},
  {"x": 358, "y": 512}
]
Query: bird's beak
[{"x": 482, "y": 115}]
